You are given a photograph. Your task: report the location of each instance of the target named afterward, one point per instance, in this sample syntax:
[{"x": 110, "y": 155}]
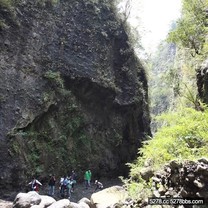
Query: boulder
[
  {"x": 199, "y": 184},
  {"x": 86, "y": 201},
  {"x": 83, "y": 205},
  {"x": 174, "y": 178},
  {"x": 155, "y": 179},
  {"x": 175, "y": 164},
  {"x": 46, "y": 201},
  {"x": 37, "y": 206},
  {"x": 191, "y": 176},
  {"x": 147, "y": 173},
  {"x": 162, "y": 190},
  {"x": 156, "y": 193},
  {"x": 201, "y": 168},
  {"x": 63, "y": 203},
  {"x": 78, "y": 205},
  {"x": 26, "y": 200},
  {"x": 108, "y": 197},
  {"x": 203, "y": 160}
]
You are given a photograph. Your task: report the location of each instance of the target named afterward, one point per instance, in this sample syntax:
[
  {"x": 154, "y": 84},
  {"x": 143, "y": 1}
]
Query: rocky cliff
[
  {"x": 202, "y": 81},
  {"x": 73, "y": 95}
]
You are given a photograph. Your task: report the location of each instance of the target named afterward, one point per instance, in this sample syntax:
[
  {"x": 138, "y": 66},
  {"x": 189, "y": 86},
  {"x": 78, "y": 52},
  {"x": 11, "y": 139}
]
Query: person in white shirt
[{"x": 35, "y": 184}]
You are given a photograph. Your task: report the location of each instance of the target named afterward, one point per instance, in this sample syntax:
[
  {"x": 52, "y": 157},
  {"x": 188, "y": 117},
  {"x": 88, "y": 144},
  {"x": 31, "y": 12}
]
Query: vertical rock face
[
  {"x": 72, "y": 94},
  {"x": 202, "y": 81}
]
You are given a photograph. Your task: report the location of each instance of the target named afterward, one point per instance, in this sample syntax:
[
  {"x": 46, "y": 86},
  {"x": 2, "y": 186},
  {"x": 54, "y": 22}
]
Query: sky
[{"x": 155, "y": 16}]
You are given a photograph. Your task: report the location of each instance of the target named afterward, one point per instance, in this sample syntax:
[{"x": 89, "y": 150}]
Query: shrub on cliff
[
  {"x": 5, "y": 3},
  {"x": 183, "y": 136}
]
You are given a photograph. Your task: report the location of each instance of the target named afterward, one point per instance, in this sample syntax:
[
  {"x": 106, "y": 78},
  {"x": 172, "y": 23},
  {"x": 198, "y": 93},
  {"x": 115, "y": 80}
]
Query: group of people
[{"x": 66, "y": 184}]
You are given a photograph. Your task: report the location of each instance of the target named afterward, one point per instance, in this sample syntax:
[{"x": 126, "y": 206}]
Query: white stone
[
  {"x": 108, "y": 197},
  {"x": 46, "y": 201},
  {"x": 26, "y": 200},
  {"x": 63, "y": 203}
]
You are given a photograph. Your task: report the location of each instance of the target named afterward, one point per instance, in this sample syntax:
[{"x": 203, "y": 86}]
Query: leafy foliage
[
  {"x": 172, "y": 84},
  {"x": 179, "y": 137},
  {"x": 182, "y": 137},
  {"x": 6, "y": 3},
  {"x": 190, "y": 35},
  {"x": 191, "y": 29},
  {"x": 54, "y": 77}
]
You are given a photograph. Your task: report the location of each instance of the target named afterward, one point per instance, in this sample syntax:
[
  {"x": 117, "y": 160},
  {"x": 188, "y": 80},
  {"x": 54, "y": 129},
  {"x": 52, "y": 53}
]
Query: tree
[{"x": 191, "y": 30}]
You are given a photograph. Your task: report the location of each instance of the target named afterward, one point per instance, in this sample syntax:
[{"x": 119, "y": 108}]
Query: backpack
[{"x": 65, "y": 183}]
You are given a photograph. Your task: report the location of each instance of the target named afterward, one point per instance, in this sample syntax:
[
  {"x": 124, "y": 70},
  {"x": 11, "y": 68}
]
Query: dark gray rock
[
  {"x": 202, "y": 77},
  {"x": 71, "y": 87},
  {"x": 175, "y": 164},
  {"x": 147, "y": 173},
  {"x": 199, "y": 184},
  {"x": 203, "y": 160}
]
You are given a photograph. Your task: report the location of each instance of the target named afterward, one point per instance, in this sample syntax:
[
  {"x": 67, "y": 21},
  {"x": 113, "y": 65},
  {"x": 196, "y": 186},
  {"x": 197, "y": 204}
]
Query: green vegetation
[
  {"x": 6, "y": 3},
  {"x": 8, "y": 7},
  {"x": 183, "y": 128},
  {"x": 173, "y": 67},
  {"x": 50, "y": 144},
  {"x": 55, "y": 78},
  {"x": 191, "y": 29},
  {"x": 182, "y": 137},
  {"x": 42, "y": 3}
]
